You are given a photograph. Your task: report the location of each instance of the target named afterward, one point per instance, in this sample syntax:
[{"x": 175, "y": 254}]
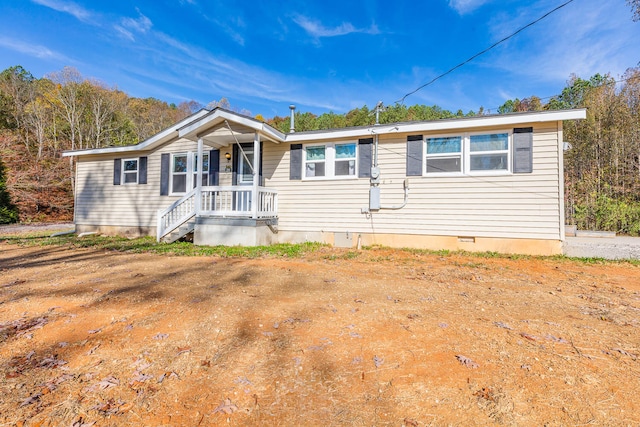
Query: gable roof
[{"x": 217, "y": 123}]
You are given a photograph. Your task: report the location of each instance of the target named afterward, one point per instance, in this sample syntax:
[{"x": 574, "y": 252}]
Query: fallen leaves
[
  {"x": 21, "y": 327},
  {"x": 109, "y": 407},
  {"x": 31, "y": 399},
  {"x": 160, "y": 336},
  {"x": 226, "y": 407},
  {"x": 464, "y": 360},
  {"x": 378, "y": 361},
  {"x": 104, "y": 384}
]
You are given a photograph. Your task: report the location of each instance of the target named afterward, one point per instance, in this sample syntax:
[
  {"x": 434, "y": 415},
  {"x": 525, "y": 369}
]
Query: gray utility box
[{"x": 374, "y": 198}]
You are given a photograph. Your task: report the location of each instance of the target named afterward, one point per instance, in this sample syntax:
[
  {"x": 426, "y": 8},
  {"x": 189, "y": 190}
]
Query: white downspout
[{"x": 256, "y": 175}]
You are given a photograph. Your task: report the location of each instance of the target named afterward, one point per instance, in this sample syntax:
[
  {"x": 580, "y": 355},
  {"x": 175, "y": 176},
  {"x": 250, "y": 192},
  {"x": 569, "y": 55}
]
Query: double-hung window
[
  {"x": 444, "y": 155},
  {"x": 330, "y": 160},
  {"x": 315, "y": 161},
  {"x": 130, "y": 171},
  {"x": 345, "y": 161},
  {"x": 205, "y": 169},
  {"x": 475, "y": 153},
  {"x": 489, "y": 152},
  {"x": 179, "y": 168}
]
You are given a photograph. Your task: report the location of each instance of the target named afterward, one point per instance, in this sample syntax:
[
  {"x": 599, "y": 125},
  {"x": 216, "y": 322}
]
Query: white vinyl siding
[
  {"x": 503, "y": 206},
  {"x": 99, "y": 202}
]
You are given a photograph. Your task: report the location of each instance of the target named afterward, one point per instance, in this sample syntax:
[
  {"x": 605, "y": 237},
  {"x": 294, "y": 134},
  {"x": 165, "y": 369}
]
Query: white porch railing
[
  {"x": 177, "y": 214},
  {"x": 237, "y": 201},
  {"x": 218, "y": 201}
]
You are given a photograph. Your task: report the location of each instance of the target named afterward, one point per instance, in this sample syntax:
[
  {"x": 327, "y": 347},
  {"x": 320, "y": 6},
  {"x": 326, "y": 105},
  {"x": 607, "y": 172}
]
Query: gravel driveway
[{"x": 621, "y": 247}]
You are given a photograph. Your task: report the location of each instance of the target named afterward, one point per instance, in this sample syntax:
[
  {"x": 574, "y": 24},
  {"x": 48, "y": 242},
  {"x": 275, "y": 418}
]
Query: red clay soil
[{"x": 376, "y": 337}]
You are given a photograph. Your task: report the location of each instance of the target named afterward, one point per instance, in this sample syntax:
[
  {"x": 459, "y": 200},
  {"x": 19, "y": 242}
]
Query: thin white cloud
[
  {"x": 576, "y": 39},
  {"x": 230, "y": 26},
  {"x": 317, "y": 30},
  {"x": 141, "y": 25},
  {"x": 71, "y": 8},
  {"x": 124, "y": 33},
  {"x": 466, "y": 6},
  {"x": 31, "y": 49},
  {"x": 128, "y": 26}
]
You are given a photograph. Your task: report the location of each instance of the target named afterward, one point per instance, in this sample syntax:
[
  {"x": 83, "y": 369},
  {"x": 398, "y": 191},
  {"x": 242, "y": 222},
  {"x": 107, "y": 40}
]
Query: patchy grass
[
  {"x": 149, "y": 245},
  {"x": 374, "y": 253}
]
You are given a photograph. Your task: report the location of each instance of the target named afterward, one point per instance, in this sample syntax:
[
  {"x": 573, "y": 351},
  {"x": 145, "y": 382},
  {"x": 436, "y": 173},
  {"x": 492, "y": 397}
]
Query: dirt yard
[{"x": 376, "y": 337}]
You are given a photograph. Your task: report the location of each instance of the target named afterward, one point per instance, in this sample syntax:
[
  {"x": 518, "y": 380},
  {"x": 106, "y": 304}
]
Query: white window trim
[
  {"x": 329, "y": 162},
  {"x": 493, "y": 172},
  {"x": 466, "y": 155},
  {"x": 194, "y": 172},
  {"x": 440, "y": 155},
  {"x": 188, "y": 178},
  {"x": 125, "y": 172},
  {"x": 240, "y": 172}
]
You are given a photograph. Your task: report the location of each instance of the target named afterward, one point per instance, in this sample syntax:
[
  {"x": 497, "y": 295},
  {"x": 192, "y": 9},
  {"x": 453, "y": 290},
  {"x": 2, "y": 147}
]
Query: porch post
[
  {"x": 256, "y": 175},
  {"x": 198, "y": 200}
]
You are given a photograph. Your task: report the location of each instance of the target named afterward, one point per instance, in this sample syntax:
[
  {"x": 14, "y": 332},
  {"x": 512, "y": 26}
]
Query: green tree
[{"x": 8, "y": 211}]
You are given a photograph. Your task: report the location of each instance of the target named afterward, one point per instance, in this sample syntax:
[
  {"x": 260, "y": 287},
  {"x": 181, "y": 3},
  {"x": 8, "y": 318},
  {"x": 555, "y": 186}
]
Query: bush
[
  {"x": 608, "y": 214},
  {"x": 8, "y": 211}
]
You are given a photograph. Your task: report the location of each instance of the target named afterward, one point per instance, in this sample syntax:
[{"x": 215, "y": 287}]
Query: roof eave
[
  {"x": 442, "y": 125},
  {"x": 145, "y": 145}
]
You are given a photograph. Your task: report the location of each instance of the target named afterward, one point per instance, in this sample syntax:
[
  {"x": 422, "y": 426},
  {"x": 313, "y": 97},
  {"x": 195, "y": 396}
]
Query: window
[
  {"x": 345, "y": 159},
  {"x": 245, "y": 168},
  {"x": 489, "y": 152},
  {"x": 179, "y": 167},
  {"x": 444, "y": 155},
  {"x": 330, "y": 160},
  {"x": 130, "y": 171},
  {"x": 470, "y": 153},
  {"x": 205, "y": 169},
  {"x": 315, "y": 161}
]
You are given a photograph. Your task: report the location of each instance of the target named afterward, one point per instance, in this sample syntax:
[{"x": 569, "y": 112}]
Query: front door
[
  {"x": 244, "y": 164},
  {"x": 243, "y": 176}
]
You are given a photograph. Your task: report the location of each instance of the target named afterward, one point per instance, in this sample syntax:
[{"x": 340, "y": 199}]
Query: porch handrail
[
  {"x": 235, "y": 201},
  {"x": 176, "y": 214},
  {"x": 223, "y": 201}
]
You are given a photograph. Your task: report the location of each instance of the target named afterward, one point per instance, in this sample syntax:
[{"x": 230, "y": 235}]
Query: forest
[{"x": 40, "y": 118}]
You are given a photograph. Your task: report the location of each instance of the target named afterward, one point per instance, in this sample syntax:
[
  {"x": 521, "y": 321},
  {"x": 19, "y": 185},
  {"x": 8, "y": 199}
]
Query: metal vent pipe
[{"x": 292, "y": 128}]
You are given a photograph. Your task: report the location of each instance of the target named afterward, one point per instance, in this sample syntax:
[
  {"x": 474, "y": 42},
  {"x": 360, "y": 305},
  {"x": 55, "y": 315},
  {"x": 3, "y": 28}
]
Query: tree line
[{"x": 40, "y": 118}]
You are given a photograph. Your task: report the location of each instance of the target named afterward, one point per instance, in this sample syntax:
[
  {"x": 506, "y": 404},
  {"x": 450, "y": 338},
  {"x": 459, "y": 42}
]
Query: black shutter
[
  {"x": 234, "y": 165},
  {"x": 117, "y": 171},
  {"x": 165, "y": 165},
  {"x": 365, "y": 149},
  {"x": 142, "y": 170},
  {"x": 214, "y": 167},
  {"x": 295, "y": 163},
  {"x": 260, "y": 177},
  {"x": 523, "y": 150},
  {"x": 414, "y": 155}
]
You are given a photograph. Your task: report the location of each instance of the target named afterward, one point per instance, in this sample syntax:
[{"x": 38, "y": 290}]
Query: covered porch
[{"x": 232, "y": 187}]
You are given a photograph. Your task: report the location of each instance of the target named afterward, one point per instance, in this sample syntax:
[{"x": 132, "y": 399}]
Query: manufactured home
[{"x": 486, "y": 183}]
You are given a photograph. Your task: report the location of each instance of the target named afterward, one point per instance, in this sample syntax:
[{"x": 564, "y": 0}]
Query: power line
[{"x": 401, "y": 100}]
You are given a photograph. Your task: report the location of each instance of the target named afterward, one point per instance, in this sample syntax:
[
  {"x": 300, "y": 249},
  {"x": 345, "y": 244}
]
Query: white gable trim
[{"x": 147, "y": 144}]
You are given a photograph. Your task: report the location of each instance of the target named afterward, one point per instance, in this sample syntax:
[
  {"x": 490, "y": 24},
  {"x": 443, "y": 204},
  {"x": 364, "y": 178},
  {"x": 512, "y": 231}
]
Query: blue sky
[{"x": 321, "y": 56}]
